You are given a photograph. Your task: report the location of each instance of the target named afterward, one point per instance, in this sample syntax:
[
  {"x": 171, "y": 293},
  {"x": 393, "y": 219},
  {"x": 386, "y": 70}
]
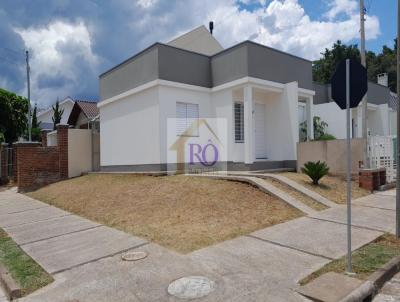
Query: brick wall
[
  {"x": 3, "y": 167},
  {"x": 37, "y": 165},
  {"x": 372, "y": 179}
]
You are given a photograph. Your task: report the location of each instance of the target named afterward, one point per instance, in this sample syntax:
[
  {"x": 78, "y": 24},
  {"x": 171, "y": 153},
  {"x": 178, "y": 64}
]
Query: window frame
[
  {"x": 187, "y": 118},
  {"x": 241, "y": 123}
]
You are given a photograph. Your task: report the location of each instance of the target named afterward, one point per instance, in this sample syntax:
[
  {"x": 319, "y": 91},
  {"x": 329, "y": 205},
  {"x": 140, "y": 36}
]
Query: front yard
[
  {"x": 330, "y": 187},
  {"x": 179, "y": 212}
]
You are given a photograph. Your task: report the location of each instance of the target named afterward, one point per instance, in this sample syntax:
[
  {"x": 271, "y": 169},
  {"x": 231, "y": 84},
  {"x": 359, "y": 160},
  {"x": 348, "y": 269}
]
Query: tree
[
  {"x": 384, "y": 62},
  {"x": 57, "y": 114},
  {"x": 35, "y": 126},
  {"x": 13, "y": 115}
]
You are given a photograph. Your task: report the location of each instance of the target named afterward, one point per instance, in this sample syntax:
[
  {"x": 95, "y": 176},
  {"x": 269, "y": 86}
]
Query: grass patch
[
  {"x": 23, "y": 269},
  {"x": 330, "y": 187},
  {"x": 365, "y": 260},
  {"x": 308, "y": 201},
  {"x": 183, "y": 213}
]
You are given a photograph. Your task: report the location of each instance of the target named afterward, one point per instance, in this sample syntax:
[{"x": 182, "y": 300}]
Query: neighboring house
[
  {"x": 381, "y": 111},
  {"x": 45, "y": 116},
  {"x": 83, "y": 114},
  {"x": 257, "y": 89}
]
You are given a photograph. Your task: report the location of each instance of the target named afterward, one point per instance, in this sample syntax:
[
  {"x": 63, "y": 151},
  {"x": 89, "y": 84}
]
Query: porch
[{"x": 266, "y": 118}]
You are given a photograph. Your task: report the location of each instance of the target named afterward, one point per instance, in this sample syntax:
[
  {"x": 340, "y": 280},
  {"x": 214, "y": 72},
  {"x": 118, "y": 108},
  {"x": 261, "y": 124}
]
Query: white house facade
[
  {"x": 45, "y": 116},
  {"x": 261, "y": 92},
  {"x": 381, "y": 112}
]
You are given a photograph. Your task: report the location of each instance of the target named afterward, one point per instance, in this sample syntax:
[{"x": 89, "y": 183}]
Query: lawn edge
[
  {"x": 11, "y": 287},
  {"x": 370, "y": 287}
]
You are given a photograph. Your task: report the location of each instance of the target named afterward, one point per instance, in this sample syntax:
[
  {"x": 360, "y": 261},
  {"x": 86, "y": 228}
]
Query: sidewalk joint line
[
  {"x": 353, "y": 225},
  {"x": 36, "y": 221},
  {"x": 290, "y": 247},
  {"x": 99, "y": 258},
  {"x": 55, "y": 236},
  {"x": 16, "y": 212},
  {"x": 367, "y": 206}
]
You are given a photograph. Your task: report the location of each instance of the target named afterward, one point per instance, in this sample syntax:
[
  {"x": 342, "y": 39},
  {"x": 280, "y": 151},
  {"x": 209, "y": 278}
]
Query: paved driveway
[{"x": 84, "y": 257}]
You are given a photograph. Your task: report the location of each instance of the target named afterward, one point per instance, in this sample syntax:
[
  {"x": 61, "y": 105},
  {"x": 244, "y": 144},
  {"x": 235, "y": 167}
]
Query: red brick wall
[
  {"x": 3, "y": 168},
  {"x": 372, "y": 179},
  {"x": 62, "y": 144},
  {"x": 37, "y": 165}
]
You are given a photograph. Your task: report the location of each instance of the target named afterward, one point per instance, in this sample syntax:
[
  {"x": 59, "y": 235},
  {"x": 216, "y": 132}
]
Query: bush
[
  {"x": 326, "y": 137},
  {"x": 315, "y": 170}
]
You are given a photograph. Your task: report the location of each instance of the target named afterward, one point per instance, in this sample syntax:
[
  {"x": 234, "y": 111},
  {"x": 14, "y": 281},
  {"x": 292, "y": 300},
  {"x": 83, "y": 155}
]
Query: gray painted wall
[
  {"x": 161, "y": 61},
  {"x": 183, "y": 66},
  {"x": 273, "y": 65},
  {"x": 377, "y": 94},
  {"x": 134, "y": 72},
  {"x": 229, "y": 65}
]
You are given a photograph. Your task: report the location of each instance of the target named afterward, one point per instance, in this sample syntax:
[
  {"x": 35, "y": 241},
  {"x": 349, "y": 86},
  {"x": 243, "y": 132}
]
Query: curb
[
  {"x": 371, "y": 286},
  {"x": 10, "y": 286}
]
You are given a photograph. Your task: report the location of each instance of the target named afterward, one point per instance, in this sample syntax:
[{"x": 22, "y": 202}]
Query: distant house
[
  {"x": 45, "y": 116},
  {"x": 83, "y": 114},
  {"x": 258, "y": 90},
  {"x": 381, "y": 111}
]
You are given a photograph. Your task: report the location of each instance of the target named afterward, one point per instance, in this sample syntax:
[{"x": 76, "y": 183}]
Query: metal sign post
[
  {"x": 349, "y": 85},
  {"x": 349, "y": 268}
]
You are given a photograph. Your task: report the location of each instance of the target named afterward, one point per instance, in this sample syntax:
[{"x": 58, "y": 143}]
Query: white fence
[{"x": 382, "y": 155}]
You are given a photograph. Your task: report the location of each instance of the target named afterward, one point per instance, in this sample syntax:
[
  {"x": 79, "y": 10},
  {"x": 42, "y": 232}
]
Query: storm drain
[
  {"x": 191, "y": 287},
  {"x": 133, "y": 256}
]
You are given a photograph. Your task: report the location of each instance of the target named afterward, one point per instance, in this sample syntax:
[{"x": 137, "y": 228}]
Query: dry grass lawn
[
  {"x": 179, "y": 212},
  {"x": 331, "y": 187}
]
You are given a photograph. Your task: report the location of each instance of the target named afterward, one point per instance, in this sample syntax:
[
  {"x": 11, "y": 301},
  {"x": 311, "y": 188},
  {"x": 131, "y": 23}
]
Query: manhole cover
[
  {"x": 134, "y": 256},
  {"x": 191, "y": 287}
]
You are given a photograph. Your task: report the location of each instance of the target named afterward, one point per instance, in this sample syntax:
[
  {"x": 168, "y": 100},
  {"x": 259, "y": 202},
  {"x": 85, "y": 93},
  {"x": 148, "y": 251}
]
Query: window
[
  {"x": 239, "y": 122},
  {"x": 187, "y": 117}
]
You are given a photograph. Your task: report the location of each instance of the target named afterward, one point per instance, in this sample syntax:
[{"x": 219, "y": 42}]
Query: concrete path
[
  {"x": 3, "y": 297},
  {"x": 56, "y": 239},
  {"x": 263, "y": 266},
  {"x": 292, "y": 184},
  {"x": 266, "y": 187}
]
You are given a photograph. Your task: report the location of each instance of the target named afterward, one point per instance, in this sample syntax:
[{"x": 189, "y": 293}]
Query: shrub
[
  {"x": 326, "y": 137},
  {"x": 315, "y": 170}
]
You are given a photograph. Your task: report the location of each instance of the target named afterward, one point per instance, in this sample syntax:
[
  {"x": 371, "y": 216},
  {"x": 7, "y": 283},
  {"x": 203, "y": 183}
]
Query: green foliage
[
  {"x": 326, "y": 137},
  {"x": 13, "y": 115},
  {"x": 319, "y": 129},
  {"x": 315, "y": 170},
  {"x": 57, "y": 114},
  {"x": 385, "y": 61},
  {"x": 35, "y": 126}
]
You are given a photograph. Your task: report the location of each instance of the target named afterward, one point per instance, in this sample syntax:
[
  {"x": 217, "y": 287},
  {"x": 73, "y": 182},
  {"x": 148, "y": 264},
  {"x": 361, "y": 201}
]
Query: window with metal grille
[
  {"x": 239, "y": 122},
  {"x": 187, "y": 118}
]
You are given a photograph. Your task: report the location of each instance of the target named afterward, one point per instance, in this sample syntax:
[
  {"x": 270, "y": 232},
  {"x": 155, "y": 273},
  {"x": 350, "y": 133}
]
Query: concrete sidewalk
[{"x": 263, "y": 266}]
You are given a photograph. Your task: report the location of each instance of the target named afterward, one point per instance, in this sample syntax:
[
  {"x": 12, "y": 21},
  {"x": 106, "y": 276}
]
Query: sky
[{"x": 71, "y": 42}]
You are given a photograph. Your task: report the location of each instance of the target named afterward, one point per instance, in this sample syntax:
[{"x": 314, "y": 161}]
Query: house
[
  {"x": 381, "y": 111},
  {"x": 45, "y": 116},
  {"x": 83, "y": 114},
  {"x": 258, "y": 90}
]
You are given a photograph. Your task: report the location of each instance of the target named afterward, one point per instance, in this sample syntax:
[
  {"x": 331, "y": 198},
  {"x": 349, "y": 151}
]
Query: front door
[{"x": 260, "y": 139}]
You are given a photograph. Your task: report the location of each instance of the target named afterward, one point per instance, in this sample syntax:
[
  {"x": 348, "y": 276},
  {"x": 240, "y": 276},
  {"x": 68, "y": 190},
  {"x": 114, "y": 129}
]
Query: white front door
[{"x": 260, "y": 139}]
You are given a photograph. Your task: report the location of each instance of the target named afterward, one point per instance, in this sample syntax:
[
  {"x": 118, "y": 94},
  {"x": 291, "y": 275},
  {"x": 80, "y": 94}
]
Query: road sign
[{"x": 358, "y": 84}]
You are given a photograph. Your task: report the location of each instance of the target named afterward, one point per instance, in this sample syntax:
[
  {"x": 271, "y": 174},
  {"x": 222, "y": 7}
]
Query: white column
[
  {"x": 248, "y": 125},
  {"x": 310, "y": 118},
  {"x": 358, "y": 133}
]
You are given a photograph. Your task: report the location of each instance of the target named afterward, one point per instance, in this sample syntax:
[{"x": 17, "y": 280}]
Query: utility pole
[
  {"x": 398, "y": 125},
  {"x": 364, "y": 100},
  {"x": 28, "y": 70}
]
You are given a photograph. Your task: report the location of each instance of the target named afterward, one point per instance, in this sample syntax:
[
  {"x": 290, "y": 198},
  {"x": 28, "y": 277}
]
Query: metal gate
[
  {"x": 382, "y": 155},
  {"x": 7, "y": 162}
]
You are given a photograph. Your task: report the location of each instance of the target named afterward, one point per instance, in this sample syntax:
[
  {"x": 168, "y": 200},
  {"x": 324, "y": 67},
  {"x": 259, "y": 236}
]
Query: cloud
[
  {"x": 58, "y": 53},
  {"x": 72, "y": 42}
]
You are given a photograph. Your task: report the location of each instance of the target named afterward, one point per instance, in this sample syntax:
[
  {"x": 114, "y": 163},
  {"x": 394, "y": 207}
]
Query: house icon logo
[{"x": 200, "y": 147}]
